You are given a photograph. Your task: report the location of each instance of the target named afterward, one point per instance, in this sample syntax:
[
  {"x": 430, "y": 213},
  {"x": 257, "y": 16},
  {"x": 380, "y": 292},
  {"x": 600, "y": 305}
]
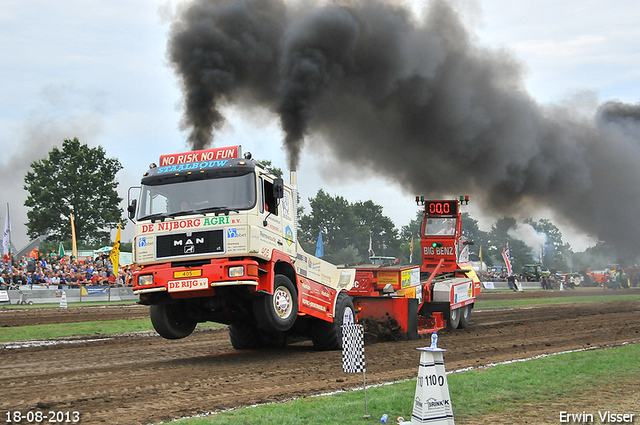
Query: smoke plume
[
  {"x": 416, "y": 99},
  {"x": 533, "y": 239}
]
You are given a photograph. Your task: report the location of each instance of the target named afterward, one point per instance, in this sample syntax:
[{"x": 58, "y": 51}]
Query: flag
[
  {"x": 371, "y": 253},
  {"x": 320, "y": 246},
  {"x": 61, "y": 251},
  {"x": 507, "y": 258},
  {"x": 115, "y": 253},
  {"x": 411, "y": 251},
  {"x": 6, "y": 239},
  {"x": 74, "y": 246},
  {"x": 353, "y": 349}
]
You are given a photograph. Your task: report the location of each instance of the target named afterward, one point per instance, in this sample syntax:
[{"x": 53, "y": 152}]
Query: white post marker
[
  {"x": 63, "y": 300},
  {"x": 432, "y": 404}
]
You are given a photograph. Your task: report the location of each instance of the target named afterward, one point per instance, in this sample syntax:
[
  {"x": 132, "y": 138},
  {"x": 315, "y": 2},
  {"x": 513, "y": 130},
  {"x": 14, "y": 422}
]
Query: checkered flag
[{"x": 353, "y": 349}]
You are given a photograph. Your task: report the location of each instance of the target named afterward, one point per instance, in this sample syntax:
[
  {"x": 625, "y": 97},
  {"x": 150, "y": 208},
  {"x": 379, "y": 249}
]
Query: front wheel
[
  {"x": 170, "y": 321},
  {"x": 278, "y": 312},
  {"x": 328, "y": 335}
]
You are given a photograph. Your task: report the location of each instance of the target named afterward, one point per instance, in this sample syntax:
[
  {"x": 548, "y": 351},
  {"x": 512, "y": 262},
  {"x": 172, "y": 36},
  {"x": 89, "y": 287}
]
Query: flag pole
[
  {"x": 74, "y": 246},
  {"x": 6, "y": 239}
]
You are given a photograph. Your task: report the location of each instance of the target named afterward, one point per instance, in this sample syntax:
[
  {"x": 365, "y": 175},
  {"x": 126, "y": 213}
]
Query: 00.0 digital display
[{"x": 442, "y": 207}]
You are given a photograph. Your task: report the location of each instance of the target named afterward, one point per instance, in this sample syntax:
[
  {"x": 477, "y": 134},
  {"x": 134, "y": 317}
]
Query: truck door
[{"x": 271, "y": 210}]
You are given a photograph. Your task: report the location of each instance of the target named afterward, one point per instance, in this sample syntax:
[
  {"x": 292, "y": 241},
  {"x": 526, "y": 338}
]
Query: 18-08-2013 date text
[{"x": 41, "y": 416}]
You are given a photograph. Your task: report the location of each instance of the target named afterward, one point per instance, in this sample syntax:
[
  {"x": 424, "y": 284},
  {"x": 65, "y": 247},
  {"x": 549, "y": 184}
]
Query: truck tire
[
  {"x": 169, "y": 321},
  {"x": 244, "y": 336},
  {"x": 454, "y": 319},
  {"x": 277, "y": 312},
  {"x": 328, "y": 335},
  {"x": 465, "y": 317}
]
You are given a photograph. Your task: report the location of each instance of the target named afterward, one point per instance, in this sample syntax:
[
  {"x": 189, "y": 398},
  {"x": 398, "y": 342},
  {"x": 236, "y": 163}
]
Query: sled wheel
[
  {"x": 454, "y": 319},
  {"x": 244, "y": 336},
  {"x": 328, "y": 336},
  {"x": 465, "y": 316},
  {"x": 30, "y": 302},
  {"x": 170, "y": 321},
  {"x": 278, "y": 312}
]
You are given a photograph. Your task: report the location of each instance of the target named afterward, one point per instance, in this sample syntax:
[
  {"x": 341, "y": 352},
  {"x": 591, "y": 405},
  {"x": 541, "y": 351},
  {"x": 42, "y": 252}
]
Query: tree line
[{"x": 348, "y": 229}]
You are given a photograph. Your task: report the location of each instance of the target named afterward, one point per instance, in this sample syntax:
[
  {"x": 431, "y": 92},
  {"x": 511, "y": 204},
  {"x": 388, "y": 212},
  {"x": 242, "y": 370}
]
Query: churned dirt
[{"x": 141, "y": 378}]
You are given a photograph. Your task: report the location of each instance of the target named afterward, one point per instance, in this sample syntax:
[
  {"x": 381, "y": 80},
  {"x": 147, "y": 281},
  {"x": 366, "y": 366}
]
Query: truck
[{"x": 216, "y": 241}]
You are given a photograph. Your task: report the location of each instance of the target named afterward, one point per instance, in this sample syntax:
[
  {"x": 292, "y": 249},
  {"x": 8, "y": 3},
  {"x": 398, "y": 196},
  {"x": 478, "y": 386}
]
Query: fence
[{"x": 38, "y": 295}]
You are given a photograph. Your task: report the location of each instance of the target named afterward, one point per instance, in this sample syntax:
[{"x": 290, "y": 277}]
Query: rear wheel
[
  {"x": 328, "y": 335},
  {"x": 278, "y": 312},
  {"x": 170, "y": 321},
  {"x": 454, "y": 319},
  {"x": 247, "y": 336},
  {"x": 465, "y": 317},
  {"x": 244, "y": 336}
]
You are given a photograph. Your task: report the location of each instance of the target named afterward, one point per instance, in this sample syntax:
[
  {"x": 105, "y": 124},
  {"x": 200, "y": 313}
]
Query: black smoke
[{"x": 415, "y": 98}]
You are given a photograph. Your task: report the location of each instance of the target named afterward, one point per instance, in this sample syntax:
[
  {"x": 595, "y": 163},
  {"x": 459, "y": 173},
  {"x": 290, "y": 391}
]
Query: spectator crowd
[{"x": 53, "y": 270}]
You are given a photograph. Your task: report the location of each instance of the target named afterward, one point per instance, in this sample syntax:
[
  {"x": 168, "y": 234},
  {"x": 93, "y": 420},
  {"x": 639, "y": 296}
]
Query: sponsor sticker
[{"x": 187, "y": 284}]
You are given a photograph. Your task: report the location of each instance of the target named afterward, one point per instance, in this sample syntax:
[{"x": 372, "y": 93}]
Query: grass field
[
  {"x": 480, "y": 304},
  {"x": 23, "y": 333},
  {"x": 474, "y": 394}
]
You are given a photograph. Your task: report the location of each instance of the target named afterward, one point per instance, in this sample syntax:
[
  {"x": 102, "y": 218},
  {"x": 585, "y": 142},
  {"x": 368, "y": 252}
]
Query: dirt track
[{"x": 142, "y": 379}]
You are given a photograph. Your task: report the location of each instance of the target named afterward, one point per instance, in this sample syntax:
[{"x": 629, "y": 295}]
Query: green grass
[
  {"x": 69, "y": 305},
  {"x": 21, "y": 333},
  {"x": 473, "y": 393},
  {"x": 486, "y": 304}
]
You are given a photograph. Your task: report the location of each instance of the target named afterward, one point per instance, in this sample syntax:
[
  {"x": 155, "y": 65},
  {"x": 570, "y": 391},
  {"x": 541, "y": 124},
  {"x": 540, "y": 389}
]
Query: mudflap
[{"x": 402, "y": 312}]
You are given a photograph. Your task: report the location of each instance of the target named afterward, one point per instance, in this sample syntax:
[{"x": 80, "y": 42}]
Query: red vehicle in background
[{"x": 440, "y": 292}]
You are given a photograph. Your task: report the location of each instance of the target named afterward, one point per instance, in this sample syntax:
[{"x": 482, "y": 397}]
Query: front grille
[{"x": 197, "y": 243}]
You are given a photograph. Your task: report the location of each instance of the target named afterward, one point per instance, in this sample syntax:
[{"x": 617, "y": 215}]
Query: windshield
[
  {"x": 440, "y": 226},
  {"x": 220, "y": 194}
]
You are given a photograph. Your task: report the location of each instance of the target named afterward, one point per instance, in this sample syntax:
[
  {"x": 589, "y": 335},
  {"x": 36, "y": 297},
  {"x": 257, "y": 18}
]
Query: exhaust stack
[{"x": 293, "y": 179}]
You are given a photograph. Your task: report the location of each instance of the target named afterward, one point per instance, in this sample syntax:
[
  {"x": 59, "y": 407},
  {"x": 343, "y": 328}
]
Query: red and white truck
[{"x": 215, "y": 240}]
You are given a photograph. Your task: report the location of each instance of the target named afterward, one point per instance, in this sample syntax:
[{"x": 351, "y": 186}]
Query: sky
[{"x": 99, "y": 71}]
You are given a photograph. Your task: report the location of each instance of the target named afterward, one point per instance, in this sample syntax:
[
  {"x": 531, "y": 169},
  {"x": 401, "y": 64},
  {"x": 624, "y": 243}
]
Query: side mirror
[
  {"x": 133, "y": 203},
  {"x": 132, "y": 209},
  {"x": 278, "y": 188}
]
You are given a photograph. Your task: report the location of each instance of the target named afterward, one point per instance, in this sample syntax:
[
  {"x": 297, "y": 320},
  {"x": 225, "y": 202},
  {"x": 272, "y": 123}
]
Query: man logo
[{"x": 189, "y": 249}]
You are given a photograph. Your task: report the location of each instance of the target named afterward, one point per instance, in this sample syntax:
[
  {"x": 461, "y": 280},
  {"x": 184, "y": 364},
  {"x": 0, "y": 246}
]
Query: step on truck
[
  {"x": 215, "y": 240},
  {"x": 439, "y": 293}
]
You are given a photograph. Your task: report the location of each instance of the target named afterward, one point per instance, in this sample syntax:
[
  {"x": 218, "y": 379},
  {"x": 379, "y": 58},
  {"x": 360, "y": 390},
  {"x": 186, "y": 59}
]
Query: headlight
[
  {"x": 145, "y": 280},
  {"x": 236, "y": 271}
]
